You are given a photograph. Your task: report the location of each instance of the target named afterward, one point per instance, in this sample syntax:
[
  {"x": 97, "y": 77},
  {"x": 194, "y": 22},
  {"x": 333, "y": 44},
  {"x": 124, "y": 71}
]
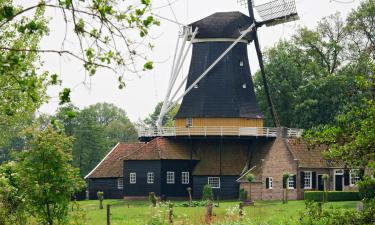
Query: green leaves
[
  {"x": 148, "y": 65},
  {"x": 7, "y": 12},
  {"x": 64, "y": 96}
]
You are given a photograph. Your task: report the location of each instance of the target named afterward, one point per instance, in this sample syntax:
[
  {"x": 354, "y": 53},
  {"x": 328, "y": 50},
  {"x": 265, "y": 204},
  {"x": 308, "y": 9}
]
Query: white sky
[{"x": 141, "y": 95}]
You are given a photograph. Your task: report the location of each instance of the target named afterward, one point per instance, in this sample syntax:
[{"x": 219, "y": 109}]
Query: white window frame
[
  {"x": 270, "y": 182},
  {"x": 185, "y": 177},
  {"x": 120, "y": 183},
  {"x": 290, "y": 182},
  {"x": 150, "y": 177},
  {"x": 133, "y": 178},
  {"x": 354, "y": 179},
  {"x": 170, "y": 177},
  {"x": 214, "y": 182},
  {"x": 307, "y": 180},
  {"x": 189, "y": 122}
]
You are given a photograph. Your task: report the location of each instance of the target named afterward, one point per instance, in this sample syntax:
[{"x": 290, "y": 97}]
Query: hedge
[{"x": 333, "y": 196}]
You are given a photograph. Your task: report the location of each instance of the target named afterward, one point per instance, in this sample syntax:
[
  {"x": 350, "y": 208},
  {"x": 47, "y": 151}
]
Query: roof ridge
[{"x": 131, "y": 153}]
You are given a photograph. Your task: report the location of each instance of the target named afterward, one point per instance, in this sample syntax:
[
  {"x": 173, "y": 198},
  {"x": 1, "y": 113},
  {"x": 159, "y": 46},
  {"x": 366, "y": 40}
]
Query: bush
[
  {"x": 243, "y": 195},
  {"x": 207, "y": 193},
  {"x": 333, "y": 196},
  {"x": 366, "y": 188},
  {"x": 316, "y": 214}
]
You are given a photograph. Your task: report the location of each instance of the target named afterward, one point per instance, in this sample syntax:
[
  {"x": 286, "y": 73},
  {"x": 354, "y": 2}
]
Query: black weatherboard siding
[
  {"x": 141, "y": 168},
  {"x": 107, "y": 185},
  {"x": 227, "y": 90},
  {"x": 229, "y": 187},
  {"x": 177, "y": 189}
]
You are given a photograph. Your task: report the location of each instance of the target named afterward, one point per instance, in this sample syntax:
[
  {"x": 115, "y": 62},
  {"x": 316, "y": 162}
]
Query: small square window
[
  {"x": 133, "y": 178},
  {"x": 291, "y": 182},
  {"x": 354, "y": 177},
  {"x": 189, "y": 122},
  {"x": 120, "y": 183},
  {"x": 308, "y": 180},
  {"x": 185, "y": 177},
  {"x": 170, "y": 177},
  {"x": 150, "y": 177},
  {"x": 214, "y": 182},
  {"x": 270, "y": 182}
]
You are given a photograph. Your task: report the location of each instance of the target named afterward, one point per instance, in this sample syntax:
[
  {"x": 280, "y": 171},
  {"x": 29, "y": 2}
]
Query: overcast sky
[{"x": 142, "y": 93}]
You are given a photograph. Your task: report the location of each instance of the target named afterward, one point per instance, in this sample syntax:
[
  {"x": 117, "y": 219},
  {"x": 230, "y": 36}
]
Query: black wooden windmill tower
[
  {"x": 219, "y": 90},
  {"x": 219, "y": 118}
]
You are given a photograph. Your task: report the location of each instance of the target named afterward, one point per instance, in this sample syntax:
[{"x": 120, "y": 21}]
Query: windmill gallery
[{"x": 218, "y": 137}]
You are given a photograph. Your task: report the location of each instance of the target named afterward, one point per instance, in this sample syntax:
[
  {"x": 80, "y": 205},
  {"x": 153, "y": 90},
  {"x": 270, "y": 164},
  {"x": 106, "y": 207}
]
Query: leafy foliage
[
  {"x": 168, "y": 119},
  {"x": 39, "y": 185},
  {"x": 96, "y": 129},
  {"x": 366, "y": 188},
  {"x": 316, "y": 215},
  {"x": 314, "y": 77},
  {"x": 207, "y": 193}
]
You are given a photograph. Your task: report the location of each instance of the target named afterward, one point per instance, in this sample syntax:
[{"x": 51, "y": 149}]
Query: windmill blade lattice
[{"x": 277, "y": 12}]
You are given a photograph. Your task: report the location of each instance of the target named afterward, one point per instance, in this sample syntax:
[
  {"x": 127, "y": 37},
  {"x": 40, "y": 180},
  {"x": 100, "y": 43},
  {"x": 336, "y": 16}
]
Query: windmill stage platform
[{"x": 215, "y": 131}]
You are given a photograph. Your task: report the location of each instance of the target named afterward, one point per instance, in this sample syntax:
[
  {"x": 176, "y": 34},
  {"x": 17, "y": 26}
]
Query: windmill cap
[{"x": 223, "y": 25}]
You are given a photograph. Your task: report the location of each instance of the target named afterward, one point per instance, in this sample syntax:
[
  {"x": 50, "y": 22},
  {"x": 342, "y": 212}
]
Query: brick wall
[{"x": 277, "y": 160}]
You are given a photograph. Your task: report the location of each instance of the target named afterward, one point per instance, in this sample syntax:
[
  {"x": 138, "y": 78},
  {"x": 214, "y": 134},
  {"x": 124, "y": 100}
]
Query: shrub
[
  {"x": 332, "y": 196},
  {"x": 207, "y": 193},
  {"x": 366, "y": 188},
  {"x": 243, "y": 195},
  {"x": 315, "y": 214}
]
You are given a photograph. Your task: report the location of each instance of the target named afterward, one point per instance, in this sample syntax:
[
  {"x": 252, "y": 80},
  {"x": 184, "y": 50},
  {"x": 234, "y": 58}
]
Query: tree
[
  {"x": 96, "y": 129},
  {"x": 313, "y": 76},
  {"x": 250, "y": 178},
  {"x": 48, "y": 178},
  {"x": 98, "y": 27},
  {"x": 168, "y": 119},
  {"x": 286, "y": 176}
]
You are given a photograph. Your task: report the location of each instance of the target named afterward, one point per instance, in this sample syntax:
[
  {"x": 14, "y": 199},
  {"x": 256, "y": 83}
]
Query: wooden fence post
[
  {"x": 108, "y": 214},
  {"x": 209, "y": 212},
  {"x": 170, "y": 213},
  {"x": 241, "y": 210}
]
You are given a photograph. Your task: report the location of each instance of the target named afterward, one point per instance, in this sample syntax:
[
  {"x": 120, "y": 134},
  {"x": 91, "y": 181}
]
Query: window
[
  {"x": 244, "y": 85},
  {"x": 185, "y": 177},
  {"x": 269, "y": 183},
  {"x": 133, "y": 178},
  {"x": 189, "y": 122},
  {"x": 241, "y": 63},
  {"x": 214, "y": 182},
  {"x": 170, "y": 177},
  {"x": 150, "y": 177},
  {"x": 120, "y": 183},
  {"x": 308, "y": 180},
  {"x": 354, "y": 177},
  {"x": 291, "y": 182}
]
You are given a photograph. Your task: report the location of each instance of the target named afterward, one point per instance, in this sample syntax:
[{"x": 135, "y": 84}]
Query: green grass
[{"x": 139, "y": 212}]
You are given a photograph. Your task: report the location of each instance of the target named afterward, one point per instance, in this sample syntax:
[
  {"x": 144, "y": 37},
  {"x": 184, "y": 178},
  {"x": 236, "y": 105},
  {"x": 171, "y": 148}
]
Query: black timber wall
[
  {"x": 177, "y": 166},
  {"x": 141, "y": 168},
  {"x": 107, "y": 185},
  {"x": 229, "y": 187}
]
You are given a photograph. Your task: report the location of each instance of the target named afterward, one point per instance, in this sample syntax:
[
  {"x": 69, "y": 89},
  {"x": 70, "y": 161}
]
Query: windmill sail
[{"x": 277, "y": 12}]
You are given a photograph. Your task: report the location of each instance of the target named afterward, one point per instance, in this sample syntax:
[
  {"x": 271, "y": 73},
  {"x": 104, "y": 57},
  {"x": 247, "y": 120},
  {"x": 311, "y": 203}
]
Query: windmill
[{"x": 272, "y": 13}]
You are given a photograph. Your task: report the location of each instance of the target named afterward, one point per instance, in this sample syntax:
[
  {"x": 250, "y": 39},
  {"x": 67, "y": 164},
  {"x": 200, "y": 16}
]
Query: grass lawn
[{"x": 140, "y": 212}]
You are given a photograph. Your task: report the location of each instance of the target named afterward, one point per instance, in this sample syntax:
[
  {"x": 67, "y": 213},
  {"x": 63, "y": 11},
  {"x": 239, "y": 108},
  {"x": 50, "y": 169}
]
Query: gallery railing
[{"x": 215, "y": 131}]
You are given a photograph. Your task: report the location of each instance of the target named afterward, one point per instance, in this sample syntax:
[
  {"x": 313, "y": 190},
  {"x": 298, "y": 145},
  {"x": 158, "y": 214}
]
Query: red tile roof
[
  {"x": 112, "y": 164},
  {"x": 311, "y": 157},
  {"x": 162, "y": 148},
  {"x": 157, "y": 149}
]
